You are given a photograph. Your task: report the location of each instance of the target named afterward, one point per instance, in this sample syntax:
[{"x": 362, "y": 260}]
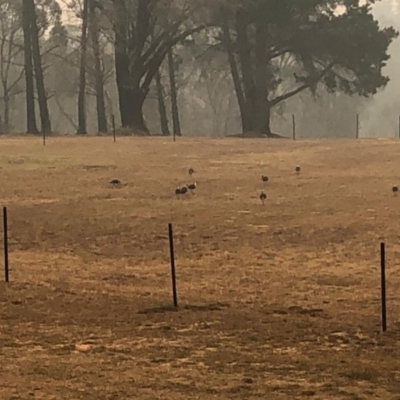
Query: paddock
[{"x": 279, "y": 301}]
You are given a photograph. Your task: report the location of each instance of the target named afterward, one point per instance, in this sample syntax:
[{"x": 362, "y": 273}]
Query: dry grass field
[{"x": 279, "y": 301}]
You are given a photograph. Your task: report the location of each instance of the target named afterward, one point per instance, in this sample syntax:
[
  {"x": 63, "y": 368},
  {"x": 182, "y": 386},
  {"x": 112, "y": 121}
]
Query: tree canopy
[
  {"x": 241, "y": 62},
  {"x": 335, "y": 44}
]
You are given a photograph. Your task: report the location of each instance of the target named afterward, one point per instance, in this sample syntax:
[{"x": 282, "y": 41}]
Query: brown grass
[{"x": 278, "y": 301}]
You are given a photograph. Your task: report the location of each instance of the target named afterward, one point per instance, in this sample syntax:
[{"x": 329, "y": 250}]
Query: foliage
[
  {"x": 338, "y": 43},
  {"x": 331, "y": 48}
]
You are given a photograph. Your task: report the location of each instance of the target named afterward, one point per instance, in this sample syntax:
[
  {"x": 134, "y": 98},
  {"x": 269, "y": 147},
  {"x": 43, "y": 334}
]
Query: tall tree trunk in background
[
  {"x": 174, "y": 95},
  {"x": 6, "y": 123},
  {"x": 246, "y": 66},
  {"x": 262, "y": 113},
  {"x": 100, "y": 102},
  {"x": 131, "y": 97},
  {"x": 82, "y": 129},
  {"x": 30, "y": 88},
  {"x": 228, "y": 116},
  {"x": 252, "y": 79},
  {"x": 161, "y": 105},
  {"x": 227, "y": 42},
  {"x": 122, "y": 78},
  {"x": 37, "y": 62}
]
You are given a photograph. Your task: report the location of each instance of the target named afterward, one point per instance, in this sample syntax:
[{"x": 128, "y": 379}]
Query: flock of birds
[
  {"x": 182, "y": 190},
  {"x": 265, "y": 179}
]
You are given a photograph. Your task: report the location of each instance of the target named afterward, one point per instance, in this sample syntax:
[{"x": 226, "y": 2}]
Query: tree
[
  {"x": 340, "y": 49},
  {"x": 176, "y": 125},
  {"x": 29, "y": 78},
  {"x": 10, "y": 51},
  {"x": 37, "y": 63},
  {"x": 82, "y": 129},
  {"x": 161, "y": 105},
  {"x": 86, "y": 68},
  {"x": 98, "y": 71},
  {"x": 145, "y": 30}
]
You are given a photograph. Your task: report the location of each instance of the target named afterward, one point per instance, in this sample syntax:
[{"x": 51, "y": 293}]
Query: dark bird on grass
[
  {"x": 115, "y": 182},
  {"x": 263, "y": 197},
  {"x": 181, "y": 190},
  {"x": 192, "y": 186},
  {"x": 395, "y": 189},
  {"x": 264, "y": 178},
  {"x": 191, "y": 171},
  {"x": 298, "y": 169}
]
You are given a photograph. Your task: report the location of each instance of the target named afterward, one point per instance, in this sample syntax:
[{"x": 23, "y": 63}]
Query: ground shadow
[
  {"x": 313, "y": 312},
  {"x": 191, "y": 307}
]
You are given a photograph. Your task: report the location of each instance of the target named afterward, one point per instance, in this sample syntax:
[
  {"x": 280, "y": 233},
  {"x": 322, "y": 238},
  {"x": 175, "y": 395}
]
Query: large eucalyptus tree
[{"x": 336, "y": 44}]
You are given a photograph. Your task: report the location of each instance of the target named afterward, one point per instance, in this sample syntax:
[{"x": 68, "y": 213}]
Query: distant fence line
[
  {"x": 294, "y": 133},
  {"x": 356, "y": 125}
]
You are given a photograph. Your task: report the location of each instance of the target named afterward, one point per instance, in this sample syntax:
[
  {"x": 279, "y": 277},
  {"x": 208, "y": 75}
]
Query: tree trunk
[
  {"x": 131, "y": 97},
  {"x": 100, "y": 102},
  {"x": 161, "y": 105},
  {"x": 37, "y": 62},
  {"x": 262, "y": 112},
  {"x": 82, "y": 128},
  {"x": 247, "y": 70},
  {"x": 132, "y": 101},
  {"x": 227, "y": 41},
  {"x": 122, "y": 77},
  {"x": 30, "y": 87},
  {"x": 174, "y": 95},
  {"x": 266, "y": 127},
  {"x": 6, "y": 123},
  {"x": 228, "y": 116}
]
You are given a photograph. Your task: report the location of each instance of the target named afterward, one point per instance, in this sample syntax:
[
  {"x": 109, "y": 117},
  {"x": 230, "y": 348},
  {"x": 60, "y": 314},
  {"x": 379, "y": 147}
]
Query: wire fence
[{"x": 174, "y": 283}]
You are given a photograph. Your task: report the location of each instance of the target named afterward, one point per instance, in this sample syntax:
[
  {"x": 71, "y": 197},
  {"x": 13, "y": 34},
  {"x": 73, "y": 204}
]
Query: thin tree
[
  {"x": 82, "y": 128},
  {"x": 29, "y": 80},
  {"x": 233, "y": 65},
  {"x": 174, "y": 95},
  {"x": 10, "y": 49},
  {"x": 37, "y": 62},
  {"x": 98, "y": 71},
  {"x": 161, "y": 105}
]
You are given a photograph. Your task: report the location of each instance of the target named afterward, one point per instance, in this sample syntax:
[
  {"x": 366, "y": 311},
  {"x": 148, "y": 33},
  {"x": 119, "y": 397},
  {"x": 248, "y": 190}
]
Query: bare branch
[{"x": 299, "y": 89}]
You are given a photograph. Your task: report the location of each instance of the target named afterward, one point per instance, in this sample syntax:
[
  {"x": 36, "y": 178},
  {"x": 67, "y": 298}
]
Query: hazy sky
[{"x": 381, "y": 118}]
